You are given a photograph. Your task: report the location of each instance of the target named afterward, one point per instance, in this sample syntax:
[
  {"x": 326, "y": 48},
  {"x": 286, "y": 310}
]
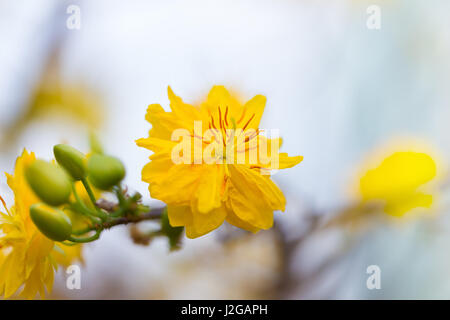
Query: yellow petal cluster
[
  {"x": 27, "y": 258},
  {"x": 201, "y": 196}
]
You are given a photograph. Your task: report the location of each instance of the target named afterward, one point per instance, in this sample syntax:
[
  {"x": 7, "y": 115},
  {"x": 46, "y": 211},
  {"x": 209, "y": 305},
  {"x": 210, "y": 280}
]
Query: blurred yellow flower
[
  {"x": 201, "y": 195},
  {"x": 52, "y": 97},
  {"x": 73, "y": 100},
  {"x": 29, "y": 257},
  {"x": 397, "y": 180}
]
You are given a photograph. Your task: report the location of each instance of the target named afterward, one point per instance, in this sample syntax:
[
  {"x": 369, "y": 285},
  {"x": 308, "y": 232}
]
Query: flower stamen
[
  {"x": 242, "y": 117},
  {"x": 4, "y": 205},
  {"x": 225, "y": 117},
  {"x": 248, "y": 122}
]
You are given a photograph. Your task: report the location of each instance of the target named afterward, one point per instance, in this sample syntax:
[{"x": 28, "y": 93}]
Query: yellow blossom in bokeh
[
  {"x": 73, "y": 100},
  {"x": 200, "y": 195},
  {"x": 30, "y": 258},
  {"x": 398, "y": 182}
]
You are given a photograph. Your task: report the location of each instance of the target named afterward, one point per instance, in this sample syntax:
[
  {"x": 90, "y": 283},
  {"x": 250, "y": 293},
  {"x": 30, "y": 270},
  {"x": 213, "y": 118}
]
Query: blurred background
[{"x": 336, "y": 89}]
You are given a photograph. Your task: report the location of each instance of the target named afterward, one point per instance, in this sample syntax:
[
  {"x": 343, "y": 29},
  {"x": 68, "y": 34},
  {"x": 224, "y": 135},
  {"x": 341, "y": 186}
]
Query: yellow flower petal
[
  {"x": 234, "y": 220},
  {"x": 205, "y": 223},
  {"x": 250, "y": 181},
  {"x": 178, "y": 185},
  {"x": 254, "y": 109},
  {"x": 208, "y": 194},
  {"x": 288, "y": 162},
  {"x": 12, "y": 271},
  {"x": 179, "y": 216},
  {"x": 163, "y": 123},
  {"x": 249, "y": 208},
  {"x": 157, "y": 168},
  {"x": 399, "y": 173},
  {"x": 396, "y": 181},
  {"x": 197, "y": 224},
  {"x": 399, "y": 207},
  {"x": 155, "y": 144},
  {"x": 183, "y": 110},
  {"x": 219, "y": 96}
]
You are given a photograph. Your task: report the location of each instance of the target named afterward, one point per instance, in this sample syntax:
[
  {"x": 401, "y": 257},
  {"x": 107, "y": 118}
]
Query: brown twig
[
  {"x": 288, "y": 280},
  {"x": 153, "y": 214}
]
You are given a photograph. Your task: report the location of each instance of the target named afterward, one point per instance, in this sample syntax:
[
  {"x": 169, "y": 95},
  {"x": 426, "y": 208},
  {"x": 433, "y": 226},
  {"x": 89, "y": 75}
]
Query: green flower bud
[
  {"x": 105, "y": 171},
  {"x": 72, "y": 160},
  {"x": 50, "y": 183},
  {"x": 173, "y": 233},
  {"x": 53, "y": 223}
]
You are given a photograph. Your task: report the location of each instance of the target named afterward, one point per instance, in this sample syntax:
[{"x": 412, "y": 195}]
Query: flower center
[{"x": 231, "y": 134}]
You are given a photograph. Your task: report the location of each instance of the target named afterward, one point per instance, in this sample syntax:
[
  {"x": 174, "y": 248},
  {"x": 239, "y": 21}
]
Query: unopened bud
[
  {"x": 53, "y": 223},
  {"x": 72, "y": 160},
  {"x": 50, "y": 183},
  {"x": 105, "y": 171}
]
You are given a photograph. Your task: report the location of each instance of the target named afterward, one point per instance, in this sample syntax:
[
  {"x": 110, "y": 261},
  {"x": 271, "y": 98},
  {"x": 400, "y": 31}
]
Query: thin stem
[
  {"x": 68, "y": 244},
  {"x": 83, "y": 231},
  {"x": 154, "y": 214},
  {"x": 78, "y": 208},
  {"x": 82, "y": 208},
  {"x": 91, "y": 195},
  {"x": 119, "y": 193},
  {"x": 96, "y": 236},
  {"x": 89, "y": 191}
]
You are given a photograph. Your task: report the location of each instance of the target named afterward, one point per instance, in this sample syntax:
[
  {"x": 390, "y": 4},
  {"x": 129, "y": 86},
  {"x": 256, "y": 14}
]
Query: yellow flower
[
  {"x": 201, "y": 195},
  {"x": 73, "y": 100},
  {"x": 29, "y": 257},
  {"x": 397, "y": 182}
]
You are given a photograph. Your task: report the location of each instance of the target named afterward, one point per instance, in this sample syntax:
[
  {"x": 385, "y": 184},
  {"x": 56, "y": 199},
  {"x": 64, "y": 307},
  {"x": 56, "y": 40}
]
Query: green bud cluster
[{"x": 53, "y": 184}]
